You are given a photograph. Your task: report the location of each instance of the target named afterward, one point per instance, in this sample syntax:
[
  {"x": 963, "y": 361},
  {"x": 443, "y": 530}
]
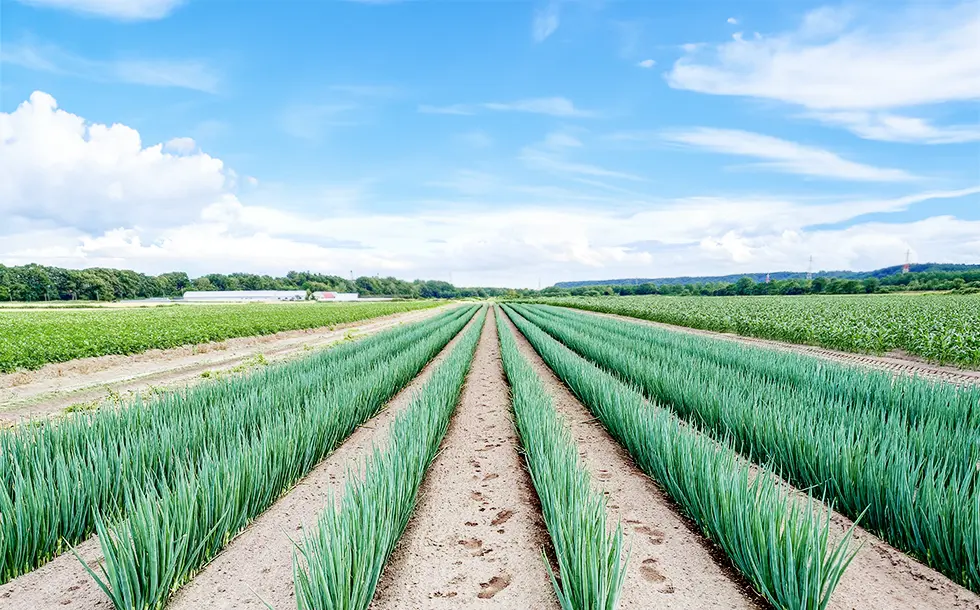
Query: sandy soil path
[
  {"x": 54, "y": 387},
  {"x": 880, "y": 577},
  {"x": 896, "y": 363},
  {"x": 671, "y": 564},
  {"x": 476, "y": 536},
  {"x": 256, "y": 566}
]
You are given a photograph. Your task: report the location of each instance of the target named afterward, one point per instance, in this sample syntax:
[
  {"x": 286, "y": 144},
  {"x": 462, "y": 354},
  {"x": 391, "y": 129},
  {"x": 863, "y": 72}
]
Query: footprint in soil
[
  {"x": 495, "y": 586},
  {"x": 649, "y": 571},
  {"x": 472, "y": 544},
  {"x": 656, "y": 536},
  {"x": 603, "y": 475},
  {"x": 502, "y": 517},
  {"x": 491, "y": 477}
]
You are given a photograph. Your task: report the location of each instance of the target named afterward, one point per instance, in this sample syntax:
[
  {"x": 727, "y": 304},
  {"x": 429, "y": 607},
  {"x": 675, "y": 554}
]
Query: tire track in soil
[
  {"x": 880, "y": 577},
  {"x": 896, "y": 363},
  {"x": 671, "y": 565},
  {"x": 476, "y": 536},
  {"x": 258, "y": 562}
]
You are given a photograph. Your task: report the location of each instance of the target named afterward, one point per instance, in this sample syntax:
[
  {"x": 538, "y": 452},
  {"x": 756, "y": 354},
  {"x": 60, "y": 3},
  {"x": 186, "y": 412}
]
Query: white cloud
[
  {"x": 732, "y": 21},
  {"x": 78, "y": 194},
  {"x": 126, "y": 10},
  {"x": 185, "y": 74},
  {"x": 55, "y": 166},
  {"x": 181, "y": 146},
  {"x": 553, "y": 106},
  {"x": 835, "y": 62},
  {"x": 546, "y": 21},
  {"x": 551, "y": 156},
  {"x": 889, "y": 127},
  {"x": 647, "y": 63},
  {"x": 785, "y": 156}
]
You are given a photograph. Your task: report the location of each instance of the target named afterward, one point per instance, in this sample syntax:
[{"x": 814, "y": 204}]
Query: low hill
[{"x": 776, "y": 275}]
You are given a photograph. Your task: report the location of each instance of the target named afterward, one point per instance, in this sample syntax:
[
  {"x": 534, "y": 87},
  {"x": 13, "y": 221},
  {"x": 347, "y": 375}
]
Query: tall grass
[
  {"x": 339, "y": 562},
  {"x": 904, "y": 452},
  {"x": 57, "y": 475},
  {"x": 589, "y": 555},
  {"x": 780, "y": 544}
]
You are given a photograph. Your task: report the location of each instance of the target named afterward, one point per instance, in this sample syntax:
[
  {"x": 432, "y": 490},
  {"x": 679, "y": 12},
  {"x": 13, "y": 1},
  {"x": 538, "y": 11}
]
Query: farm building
[
  {"x": 214, "y": 296},
  {"x": 335, "y": 296}
]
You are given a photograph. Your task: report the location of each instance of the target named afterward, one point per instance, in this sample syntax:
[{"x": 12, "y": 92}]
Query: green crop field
[
  {"x": 530, "y": 451},
  {"x": 31, "y": 339},
  {"x": 942, "y": 328}
]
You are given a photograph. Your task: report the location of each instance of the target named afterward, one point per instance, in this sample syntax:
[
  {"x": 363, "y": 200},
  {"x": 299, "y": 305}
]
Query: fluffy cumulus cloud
[
  {"x": 78, "y": 194},
  {"x": 56, "y": 167},
  {"x": 848, "y": 73},
  {"x": 127, "y": 10}
]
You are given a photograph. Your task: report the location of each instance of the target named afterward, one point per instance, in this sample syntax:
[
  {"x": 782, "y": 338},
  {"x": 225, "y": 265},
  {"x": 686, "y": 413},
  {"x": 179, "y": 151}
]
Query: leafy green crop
[
  {"x": 171, "y": 532},
  {"x": 780, "y": 544},
  {"x": 939, "y": 327},
  {"x": 31, "y": 339},
  {"x": 56, "y": 476},
  {"x": 338, "y": 564},
  {"x": 904, "y": 452},
  {"x": 588, "y": 554}
]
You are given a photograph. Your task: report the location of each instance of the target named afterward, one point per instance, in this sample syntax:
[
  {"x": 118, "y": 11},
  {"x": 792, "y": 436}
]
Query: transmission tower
[
  {"x": 907, "y": 265},
  {"x": 809, "y": 270}
]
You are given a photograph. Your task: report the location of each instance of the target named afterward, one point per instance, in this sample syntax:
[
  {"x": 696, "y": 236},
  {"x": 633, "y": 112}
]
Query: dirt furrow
[
  {"x": 671, "y": 565},
  {"x": 256, "y": 566},
  {"x": 51, "y": 389},
  {"x": 879, "y": 578},
  {"x": 896, "y": 363},
  {"x": 476, "y": 537}
]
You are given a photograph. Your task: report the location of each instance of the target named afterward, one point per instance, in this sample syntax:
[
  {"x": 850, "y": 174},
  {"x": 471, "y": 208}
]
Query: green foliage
[
  {"x": 938, "y": 327},
  {"x": 248, "y": 437},
  {"x": 31, "y": 339},
  {"x": 338, "y": 564},
  {"x": 591, "y": 573},
  {"x": 780, "y": 544},
  {"x": 903, "y": 452}
]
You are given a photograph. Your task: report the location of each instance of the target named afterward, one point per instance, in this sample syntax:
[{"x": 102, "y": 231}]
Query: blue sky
[{"x": 500, "y": 143}]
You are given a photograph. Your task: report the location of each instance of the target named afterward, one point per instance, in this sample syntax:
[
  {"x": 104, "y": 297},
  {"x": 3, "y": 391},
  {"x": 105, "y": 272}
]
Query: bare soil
[
  {"x": 896, "y": 362},
  {"x": 879, "y": 577},
  {"x": 476, "y": 537},
  {"x": 671, "y": 565},
  {"x": 88, "y": 381},
  {"x": 254, "y": 568}
]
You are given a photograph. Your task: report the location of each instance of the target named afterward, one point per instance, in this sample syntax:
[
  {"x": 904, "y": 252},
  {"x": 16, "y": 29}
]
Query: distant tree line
[
  {"x": 775, "y": 275},
  {"x": 39, "y": 283},
  {"x": 964, "y": 281}
]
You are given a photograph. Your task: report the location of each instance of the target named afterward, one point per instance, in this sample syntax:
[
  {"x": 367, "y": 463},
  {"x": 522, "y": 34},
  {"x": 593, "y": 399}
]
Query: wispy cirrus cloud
[
  {"x": 552, "y": 106},
  {"x": 891, "y": 127},
  {"x": 123, "y": 10},
  {"x": 546, "y": 21},
  {"x": 783, "y": 155},
  {"x": 853, "y": 72},
  {"x": 185, "y": 74}
]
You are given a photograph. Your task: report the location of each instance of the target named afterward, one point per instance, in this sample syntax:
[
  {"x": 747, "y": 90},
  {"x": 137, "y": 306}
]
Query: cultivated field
[
  {"x": 505, "y": 456},
  {"x": 31, "y": 339},
  {"x": 940, "y": 328}
]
